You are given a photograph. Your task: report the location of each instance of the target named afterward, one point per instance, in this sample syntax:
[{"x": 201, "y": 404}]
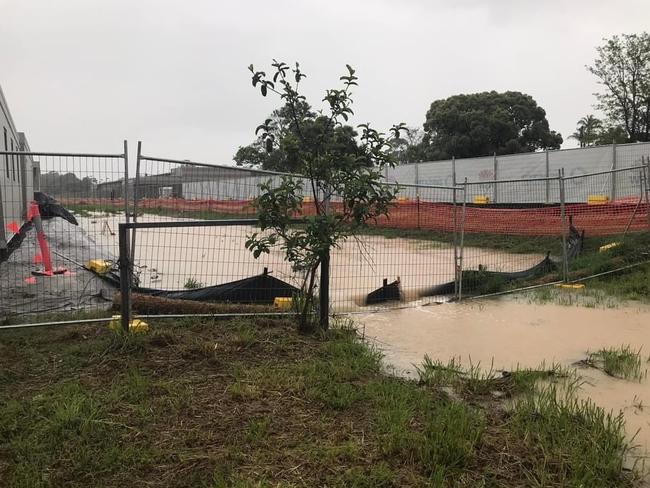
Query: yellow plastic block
[
  {"x": 136, "y": 326},
  {"x": 99, "y": 266},
  {"x": 308, "y": 200},
  {"x": 402, "y": 199},
  {"x": 574, "y": 286},
  {"x": 609, "y": 246},
  {"x": 597, "y": 199},
  {"x": 283, "y": 303},
  {"x": 481, "y": 199}
]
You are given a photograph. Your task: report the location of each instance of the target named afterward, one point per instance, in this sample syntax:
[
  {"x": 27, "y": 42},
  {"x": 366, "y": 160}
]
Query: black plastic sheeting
[
  {"x": 261, "y": 289},
  {"x": 482, "y": 280},
  {"x": 388, "y": 292}
]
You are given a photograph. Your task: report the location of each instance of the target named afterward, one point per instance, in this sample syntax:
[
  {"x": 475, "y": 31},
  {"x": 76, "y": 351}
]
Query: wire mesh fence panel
[
  {"x": 166, "y": 188},
  {"x": 438, "y": 173},
  {"x": 576, "y": 161},
  {"x": 523, "y": 166},
  {"x": 580, "y": 161},
  {"x": 406, "y": 257},
  {"x": 592, "y": 209},
  {"x": 204, "y": 267},
  {"x": 55, "y": 222},
  {"x": 510, "y": 243},
  {"x": 615, "y": 231},
  {"x": 631, "y": 155},
  {"x": 475, "y": 169}
]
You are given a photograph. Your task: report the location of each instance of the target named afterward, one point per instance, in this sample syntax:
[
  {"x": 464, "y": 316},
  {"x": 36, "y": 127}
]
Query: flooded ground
[
  {"x": 508, "y": 333},
  {"x": 168, "y": 258}
]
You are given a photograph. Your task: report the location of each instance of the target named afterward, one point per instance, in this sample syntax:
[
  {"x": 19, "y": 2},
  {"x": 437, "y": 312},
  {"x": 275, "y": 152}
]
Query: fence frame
[
  {"x": 126, "y": 267},
  {"x": 25, "y": 200},
  {"x": 128, "y": 229}
]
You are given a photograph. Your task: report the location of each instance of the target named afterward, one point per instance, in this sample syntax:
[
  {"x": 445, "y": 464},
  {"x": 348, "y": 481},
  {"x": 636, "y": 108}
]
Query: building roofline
[{"x": 5, "y": 108}]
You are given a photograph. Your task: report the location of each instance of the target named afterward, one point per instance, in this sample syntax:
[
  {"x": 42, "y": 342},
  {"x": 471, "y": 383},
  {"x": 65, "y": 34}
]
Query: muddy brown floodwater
[
  {"x": 510, "y": 334},
  {"x": 167, "y": 258}
]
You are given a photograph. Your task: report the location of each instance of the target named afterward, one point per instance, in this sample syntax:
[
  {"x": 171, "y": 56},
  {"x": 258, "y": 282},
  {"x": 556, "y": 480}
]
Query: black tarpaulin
[
  {"x": 262, "y": 289},
  {"x": 388, "y": 292}
]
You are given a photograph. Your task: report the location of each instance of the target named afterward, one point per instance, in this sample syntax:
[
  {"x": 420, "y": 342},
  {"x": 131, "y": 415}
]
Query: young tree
[
  {"x": 623, "y": 68},
  {"x": 342, "y": 174}
]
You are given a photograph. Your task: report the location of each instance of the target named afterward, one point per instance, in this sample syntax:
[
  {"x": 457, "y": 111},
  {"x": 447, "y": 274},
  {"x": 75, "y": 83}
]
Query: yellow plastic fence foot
[
  {"x": 136, "y": 326},
  {"x": 282, "y": 303}
]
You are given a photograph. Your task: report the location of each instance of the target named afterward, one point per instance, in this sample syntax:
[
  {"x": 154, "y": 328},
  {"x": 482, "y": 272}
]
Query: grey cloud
[{"x": 83, "y": 75}]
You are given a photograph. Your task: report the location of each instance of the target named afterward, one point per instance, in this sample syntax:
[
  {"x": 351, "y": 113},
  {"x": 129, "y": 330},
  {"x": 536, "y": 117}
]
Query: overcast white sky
[{"x": 82, "y": 75}]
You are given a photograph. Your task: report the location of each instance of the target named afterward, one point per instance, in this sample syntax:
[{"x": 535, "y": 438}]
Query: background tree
[
  {"x": 481, "y": 124},
  {"x": 408, "y": 148},
  {"x": 276, "y": 147},
  {"x": 279, "y": 124},
  {"x": 67, "y": 184},
  {"x": 611, "y": 134},
  {"x": 623, "y": 68},
  {"x": 335, "y": 164},
  {"x": 588, "y": 131}
]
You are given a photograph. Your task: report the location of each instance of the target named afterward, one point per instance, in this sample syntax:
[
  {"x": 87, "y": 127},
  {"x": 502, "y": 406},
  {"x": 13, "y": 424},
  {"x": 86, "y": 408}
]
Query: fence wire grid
[
  {"x": 77, "y": 225},
  {"x": 437, "y": 243}
]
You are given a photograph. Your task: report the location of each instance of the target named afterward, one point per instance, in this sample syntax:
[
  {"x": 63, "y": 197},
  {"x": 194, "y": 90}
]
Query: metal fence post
[
  {"x": 135, "y": 199},
  {"x": 324, "y": 294},
  {"x": 3, "y": 240},
  {"x": 646, "y": 177},
  {"x": 462, "y": 242},
  {"x": 453, "y": 170},
  {"x": 23, "y": 182},
  {"x": 613, "y": 192},
  {"x": 548, "y": 182},
  {"x": 496, "y": 177},
  {"x": 455, "y": 217},
  {"x": 565, "y": 258},
  {"x": 417, "y": 173},
  {"x": 126, "y": 182},
  {"x": 125, "y": 277},
  {"x": 638, "y": 203}
]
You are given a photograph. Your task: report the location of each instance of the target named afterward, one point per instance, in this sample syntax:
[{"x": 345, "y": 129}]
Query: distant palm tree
[{"x": 587, "y": 131}]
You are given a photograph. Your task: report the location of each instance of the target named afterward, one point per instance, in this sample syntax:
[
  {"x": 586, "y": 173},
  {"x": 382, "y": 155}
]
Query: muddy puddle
[{"x": 507, "y": 334}]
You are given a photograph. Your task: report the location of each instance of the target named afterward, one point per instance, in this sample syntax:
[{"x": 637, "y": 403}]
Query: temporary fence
[
  {"x": 51, "y": 230},
  {"x": 437, "y": 242},
  {"x": 546, "y": 164}
]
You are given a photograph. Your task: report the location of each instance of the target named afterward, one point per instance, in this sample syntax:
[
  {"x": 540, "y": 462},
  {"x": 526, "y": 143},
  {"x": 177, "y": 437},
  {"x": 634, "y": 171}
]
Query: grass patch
[
  {"x": 587, "y": 297},
  {"x": 474, "y": 381},
  {"x": 579, "y": 439},
  {"x": 632, "y": 284},
  {"x": 191, "y": 283},
  {"x": 620, "y": 362},
  {"x": 255, "y": 403},
  {"x": 91, "y": 210},
  {"x": 509, "y": 243}
]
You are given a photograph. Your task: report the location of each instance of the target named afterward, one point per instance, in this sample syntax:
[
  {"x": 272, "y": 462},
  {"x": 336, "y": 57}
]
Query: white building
[{"x": 19, "y": 175}]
